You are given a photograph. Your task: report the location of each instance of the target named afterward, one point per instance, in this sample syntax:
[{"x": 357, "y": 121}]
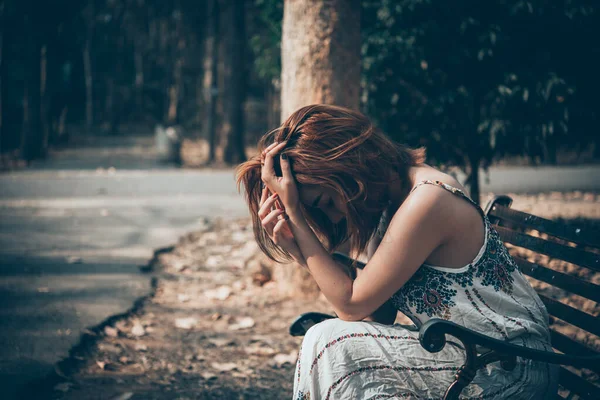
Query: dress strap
[{"x": 451, "y": 189}]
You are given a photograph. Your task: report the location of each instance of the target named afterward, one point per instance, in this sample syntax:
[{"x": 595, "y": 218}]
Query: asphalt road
[
  {"x": 74, "y": 232},
  {"x": 71, "y": 243}
]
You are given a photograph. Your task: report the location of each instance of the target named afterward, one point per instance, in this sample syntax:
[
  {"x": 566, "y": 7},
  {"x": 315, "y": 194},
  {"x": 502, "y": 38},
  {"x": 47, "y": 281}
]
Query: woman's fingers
[
  {"x": 286, "y": 170},
  {"x": 268, "y": 171},
  {"x": 268, "y": 221},
  {"x": 264, "y": 196},
  {"x": 265, "y": 151},
  {"x": 277, "y": 231},
  {"x": 267, "y": 205}
]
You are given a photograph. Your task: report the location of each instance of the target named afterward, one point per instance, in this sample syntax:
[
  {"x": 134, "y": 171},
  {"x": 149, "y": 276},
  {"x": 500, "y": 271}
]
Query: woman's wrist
[{"x": 294, "y": 214}]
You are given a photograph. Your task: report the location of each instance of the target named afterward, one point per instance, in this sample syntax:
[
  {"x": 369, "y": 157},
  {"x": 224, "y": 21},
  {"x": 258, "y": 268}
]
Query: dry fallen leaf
[
  {"x": 259, "y": 350},
  {"x": 242, "y": 323},
  {"x": 220, "y": 293},
  {"x": 208, "y": 376},
  {"x": 220, "y": 342},
  {"x": 138, "y": 330},
  {"x": 63, "y": 387},
  {"x": 183, "y": 298},
  {"x": 224, "y": 367},
  {"x": 214, "y": 261},
  {"x": 186, "y": 323},
  {"x": 141, "y": 347},
  {"x": 282, "y": 359},
  {"x": 123, "y": 396},
  {"x": 110, "y": 331}
]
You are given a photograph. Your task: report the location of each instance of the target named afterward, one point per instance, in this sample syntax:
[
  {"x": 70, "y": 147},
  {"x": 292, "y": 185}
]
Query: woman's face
[{"x": 325, "y": 199}]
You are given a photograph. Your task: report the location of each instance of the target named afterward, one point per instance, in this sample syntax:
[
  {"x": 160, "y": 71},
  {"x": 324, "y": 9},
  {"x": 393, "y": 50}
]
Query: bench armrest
[{"x": 432, "y": 338}]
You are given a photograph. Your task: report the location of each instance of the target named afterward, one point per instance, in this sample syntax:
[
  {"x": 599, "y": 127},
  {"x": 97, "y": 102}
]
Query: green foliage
[
  {"x": 265, "y": 39},
  {"x": 471, "y": 79}
]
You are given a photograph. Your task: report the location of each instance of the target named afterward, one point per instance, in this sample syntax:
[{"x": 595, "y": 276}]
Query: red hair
[{"x": 340, "y": 149}]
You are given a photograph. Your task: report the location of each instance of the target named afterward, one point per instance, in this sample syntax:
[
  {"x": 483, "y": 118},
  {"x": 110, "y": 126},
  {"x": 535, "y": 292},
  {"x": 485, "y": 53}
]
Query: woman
[{"x": 330, "y": 178}]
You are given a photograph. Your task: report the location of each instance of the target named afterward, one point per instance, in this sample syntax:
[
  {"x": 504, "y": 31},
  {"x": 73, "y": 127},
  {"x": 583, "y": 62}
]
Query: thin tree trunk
[
  {"x": 87, "y": 66},
  {"x": 2, "y": 25},
  {"x": 89, "y": 99},
  {"x": 173, "y": 113},
  {"x": 32, "y": 145},
  {"x": 473, "y": 178},
  {"x": 232, "y": 139},
  {"x": 44, "y": 116},
  {"x": 139, "y": 75},
  {"x": 273, "y": 106},
  {"x": 210, "y": 77},
  {"x": 320, "y": 54},
  {"x": 174, "y": 93}
]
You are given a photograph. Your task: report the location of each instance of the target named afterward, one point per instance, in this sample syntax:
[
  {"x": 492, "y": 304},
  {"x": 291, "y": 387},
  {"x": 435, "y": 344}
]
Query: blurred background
[
  {"x": 121, "y": 122},
  {"x": 502, "y": 82}
]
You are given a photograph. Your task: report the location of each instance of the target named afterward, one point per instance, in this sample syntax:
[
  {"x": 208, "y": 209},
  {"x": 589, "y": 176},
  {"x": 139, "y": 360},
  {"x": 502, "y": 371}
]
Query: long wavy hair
[{"x": 340, "y": 149}]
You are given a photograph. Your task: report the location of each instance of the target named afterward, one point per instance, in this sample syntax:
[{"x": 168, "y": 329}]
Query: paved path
[
  {"x": 73, "y": 232},
  {"x": 540, "y": 179},
  {"x": 72, "y": 241}
]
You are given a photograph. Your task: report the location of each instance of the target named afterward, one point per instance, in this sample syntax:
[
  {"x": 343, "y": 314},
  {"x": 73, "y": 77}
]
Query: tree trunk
[
  {"x": 2, "y": 24},
  {"x": 32, "y": 145},
  {"x": 320, "y": 58},
  {"x": 174, "y": 93},
  {"x": 273, "y": 106},
  {"x": 44, "y": 100},
  {"x": 87, "y": 66},
  {"x": 473, "y": 178},
  {"x": 210, "y": 76},
  {"x": 320, "y": 54},
  {"x": 138, "y": 57},
  {"x": 232, "y": 135}
]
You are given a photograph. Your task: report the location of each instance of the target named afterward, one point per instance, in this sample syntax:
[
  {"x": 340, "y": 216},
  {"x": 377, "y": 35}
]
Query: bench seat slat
[
  {"x": 564, "y": 281},
  {"x": 555, "y": 250},
  {"x": 569, "y": 346},
  {"x": 578, "y": 385},
  {"x": 571, "y": 233},
  {"x": 571, "y": 315}
]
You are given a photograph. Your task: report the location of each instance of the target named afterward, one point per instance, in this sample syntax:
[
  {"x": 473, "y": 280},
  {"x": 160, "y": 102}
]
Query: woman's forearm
[{"x": 333, "y": 281}]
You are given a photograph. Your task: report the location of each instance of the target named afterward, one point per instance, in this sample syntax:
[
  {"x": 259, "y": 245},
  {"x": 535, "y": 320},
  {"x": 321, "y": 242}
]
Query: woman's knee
[{"x": 331, "y": 329}]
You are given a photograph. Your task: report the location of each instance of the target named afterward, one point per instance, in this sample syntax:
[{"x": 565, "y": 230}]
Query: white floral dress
[{"x": 368, "y": 360}]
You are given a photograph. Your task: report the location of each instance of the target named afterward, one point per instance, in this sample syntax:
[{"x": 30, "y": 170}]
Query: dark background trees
[{"x": 475, "y": 82}]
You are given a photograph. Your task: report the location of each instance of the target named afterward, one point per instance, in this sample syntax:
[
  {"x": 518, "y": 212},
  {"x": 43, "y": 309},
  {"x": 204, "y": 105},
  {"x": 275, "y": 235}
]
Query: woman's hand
[
  {"x": 275, "y": 222},
  {"x": 284, "y": 186}
]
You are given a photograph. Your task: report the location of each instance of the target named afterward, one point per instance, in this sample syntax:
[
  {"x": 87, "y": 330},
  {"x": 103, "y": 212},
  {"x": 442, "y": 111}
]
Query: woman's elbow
[{"x": 352, "y": 315}]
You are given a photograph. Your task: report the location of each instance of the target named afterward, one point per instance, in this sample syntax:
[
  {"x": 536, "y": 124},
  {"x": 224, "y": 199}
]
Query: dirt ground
[{"x": 216, "y": 326}]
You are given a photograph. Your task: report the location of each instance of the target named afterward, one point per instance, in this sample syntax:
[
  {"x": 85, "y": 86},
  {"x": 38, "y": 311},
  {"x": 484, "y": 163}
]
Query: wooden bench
[{"x": 576, "y": 245}]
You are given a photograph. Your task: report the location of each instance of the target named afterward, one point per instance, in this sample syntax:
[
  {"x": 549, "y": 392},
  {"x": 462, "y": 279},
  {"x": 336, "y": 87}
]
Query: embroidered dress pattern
[
  {"x": 430, "y": 291},
  {"x": 342, "y": 359}
]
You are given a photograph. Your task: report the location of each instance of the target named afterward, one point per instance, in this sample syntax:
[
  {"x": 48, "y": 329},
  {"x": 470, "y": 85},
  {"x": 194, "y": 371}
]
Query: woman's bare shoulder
[{"x": 432, "y": 174}]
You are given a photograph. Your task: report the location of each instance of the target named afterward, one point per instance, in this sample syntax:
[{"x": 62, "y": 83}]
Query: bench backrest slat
[
  {"x": 578, "y": 385},
  {"x": 573, "y": 331},
  {"x": 564, "y": 281},
  {"x": 586, "y": 236},
  {"x": 567, "y": 345},
  {"x": 571, "y": 315},
  {"x": 570, "y": 254}
]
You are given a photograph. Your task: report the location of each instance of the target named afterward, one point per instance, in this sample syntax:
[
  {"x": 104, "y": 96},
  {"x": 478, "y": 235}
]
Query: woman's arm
[
  {"x": 387, "y": 313},
  {"x": 415, "y": 231},
  {"x": 413, "y": 234}
]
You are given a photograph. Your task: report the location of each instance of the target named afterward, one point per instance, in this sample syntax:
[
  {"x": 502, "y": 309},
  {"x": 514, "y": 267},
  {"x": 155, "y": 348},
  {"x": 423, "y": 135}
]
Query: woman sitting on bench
[{"x": 327, "y": 177}]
